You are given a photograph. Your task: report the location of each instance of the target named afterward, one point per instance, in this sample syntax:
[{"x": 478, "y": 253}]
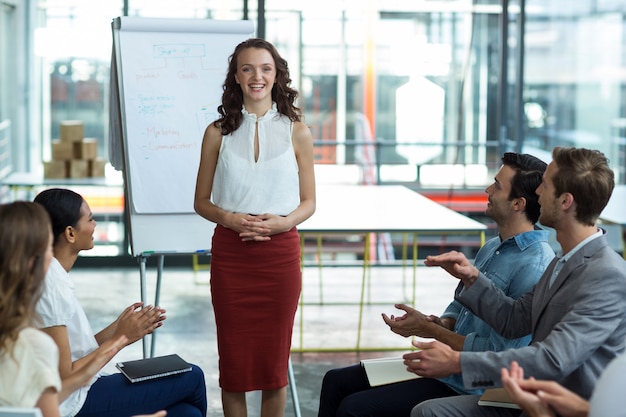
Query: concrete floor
[{"x": 325, "y": 333}]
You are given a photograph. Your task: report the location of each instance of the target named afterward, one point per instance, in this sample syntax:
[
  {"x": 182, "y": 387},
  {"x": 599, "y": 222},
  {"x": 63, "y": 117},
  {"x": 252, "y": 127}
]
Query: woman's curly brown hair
[{"x": 232, "y": 98}]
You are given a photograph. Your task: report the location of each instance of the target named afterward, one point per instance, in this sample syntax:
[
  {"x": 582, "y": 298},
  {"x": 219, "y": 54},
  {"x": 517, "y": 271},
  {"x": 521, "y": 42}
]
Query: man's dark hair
[{"x": 528, "y": 175}]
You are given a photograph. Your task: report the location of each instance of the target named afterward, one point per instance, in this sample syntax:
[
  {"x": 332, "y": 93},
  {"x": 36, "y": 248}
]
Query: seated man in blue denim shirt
[{"x": 514, "y": 261}]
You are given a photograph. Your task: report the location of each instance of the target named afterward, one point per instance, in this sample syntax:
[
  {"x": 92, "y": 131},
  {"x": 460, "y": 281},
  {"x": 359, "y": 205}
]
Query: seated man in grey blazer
[{"x": 575, "y": 312}]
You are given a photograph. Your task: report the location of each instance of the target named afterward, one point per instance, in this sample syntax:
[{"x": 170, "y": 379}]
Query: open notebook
[{"x": 381, "y": 371}]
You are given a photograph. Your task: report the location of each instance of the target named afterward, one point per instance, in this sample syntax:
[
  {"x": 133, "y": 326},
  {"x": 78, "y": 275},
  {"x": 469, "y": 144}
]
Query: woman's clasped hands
[{"x": 259, "y": 227}]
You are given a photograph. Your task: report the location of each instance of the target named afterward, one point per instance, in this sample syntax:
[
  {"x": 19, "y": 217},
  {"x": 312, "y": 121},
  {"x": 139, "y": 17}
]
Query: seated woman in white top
[
  {"x": 28, "y": 357},
  {"x": 66, "y": 322}
]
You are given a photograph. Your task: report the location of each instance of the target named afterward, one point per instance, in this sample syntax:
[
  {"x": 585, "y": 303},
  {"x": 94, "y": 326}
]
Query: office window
[
  {"x": 9, "y": 108},
  {"x": 420, "y": 79},
  {"x": 574, "y": 90}
]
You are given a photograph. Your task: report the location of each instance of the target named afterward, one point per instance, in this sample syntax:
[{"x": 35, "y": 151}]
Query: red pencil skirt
[{"x": 255, "y": 287}]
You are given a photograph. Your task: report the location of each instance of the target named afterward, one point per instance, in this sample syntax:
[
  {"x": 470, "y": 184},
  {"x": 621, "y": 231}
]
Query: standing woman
[{"x": 256, "y": 182}]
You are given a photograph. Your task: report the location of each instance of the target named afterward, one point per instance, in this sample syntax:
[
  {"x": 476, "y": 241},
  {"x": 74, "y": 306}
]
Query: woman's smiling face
[
  {"x": 85, "y": 228},
  {"x": 256, "y": 73}
]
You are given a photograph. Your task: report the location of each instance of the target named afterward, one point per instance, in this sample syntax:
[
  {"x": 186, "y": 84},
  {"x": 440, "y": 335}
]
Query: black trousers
[{"x": 346, "y": 392}]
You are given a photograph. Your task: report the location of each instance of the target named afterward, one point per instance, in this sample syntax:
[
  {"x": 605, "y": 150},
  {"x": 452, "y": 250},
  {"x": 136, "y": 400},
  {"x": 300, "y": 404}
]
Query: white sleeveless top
[{"x": 269, "y": 185}]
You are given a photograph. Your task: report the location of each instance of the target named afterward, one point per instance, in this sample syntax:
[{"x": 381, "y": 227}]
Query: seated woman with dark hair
[{"x": 65, "y": 321}]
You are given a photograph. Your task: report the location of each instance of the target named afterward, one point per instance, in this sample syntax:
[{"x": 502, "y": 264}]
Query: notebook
[
  {"x": 497, "y": 397},
  {"x": 150, "y": 368},
  {"x": 382, "y": 371}
]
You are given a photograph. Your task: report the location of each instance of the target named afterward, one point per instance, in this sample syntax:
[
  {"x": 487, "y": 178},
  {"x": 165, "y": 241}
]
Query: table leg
[{"x": 366, "y": 258}]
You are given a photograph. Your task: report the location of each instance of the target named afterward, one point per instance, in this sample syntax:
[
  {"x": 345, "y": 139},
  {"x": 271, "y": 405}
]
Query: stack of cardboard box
[{"x": 73, "y": 155}]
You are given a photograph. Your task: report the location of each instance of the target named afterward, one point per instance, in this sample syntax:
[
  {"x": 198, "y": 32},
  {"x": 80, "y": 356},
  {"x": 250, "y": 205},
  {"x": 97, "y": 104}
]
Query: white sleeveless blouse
[{"x": 269, "y": 185}]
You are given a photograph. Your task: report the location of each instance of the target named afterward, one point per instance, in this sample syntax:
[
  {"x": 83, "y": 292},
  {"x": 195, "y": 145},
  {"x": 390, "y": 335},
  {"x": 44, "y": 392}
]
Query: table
[
  {"x": 366, "y": 209},
  {"x": 29, "y": 180},
  {"x": 24, "y": 185},
  {"x": 105, "y": 196}
]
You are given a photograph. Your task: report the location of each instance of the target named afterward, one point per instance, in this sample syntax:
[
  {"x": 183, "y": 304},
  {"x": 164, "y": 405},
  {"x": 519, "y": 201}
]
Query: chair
[
  {"x": 19, "y": 412},
  {"x": 615, "y": 237},
  {"x": 554, "y": 244}
]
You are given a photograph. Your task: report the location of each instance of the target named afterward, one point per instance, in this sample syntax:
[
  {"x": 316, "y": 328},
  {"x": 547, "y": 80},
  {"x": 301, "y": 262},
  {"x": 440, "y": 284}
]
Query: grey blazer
[{"x": 578, "y": 325}]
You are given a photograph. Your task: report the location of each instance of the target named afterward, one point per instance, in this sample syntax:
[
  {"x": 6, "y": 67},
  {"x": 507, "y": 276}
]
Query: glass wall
[
  {"x": 408, "y": 91},
  {"x": 422, "y": 93},
  {"x": 9, "y": 111},
  {"x": 402, "y": 88},
  {"x": 7, "y": 90},
  {"x": 575, "y": 77},
  {"x": 411, "y": 92}
]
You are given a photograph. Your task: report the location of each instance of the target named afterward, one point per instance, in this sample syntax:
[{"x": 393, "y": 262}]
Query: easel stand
[
  {"x": 143, "y": 260},
  {"x": 148, "y": 352}
]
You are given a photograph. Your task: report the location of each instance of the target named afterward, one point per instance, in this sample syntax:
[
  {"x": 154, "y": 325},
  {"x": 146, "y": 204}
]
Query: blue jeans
[
  {"x": 346, "y": 392},
  {"x": 182, "y": 395}
]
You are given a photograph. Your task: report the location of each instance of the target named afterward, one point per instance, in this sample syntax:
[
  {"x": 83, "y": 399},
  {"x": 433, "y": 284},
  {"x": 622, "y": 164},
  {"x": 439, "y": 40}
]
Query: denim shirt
[{"x": 514, "y": 266}]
